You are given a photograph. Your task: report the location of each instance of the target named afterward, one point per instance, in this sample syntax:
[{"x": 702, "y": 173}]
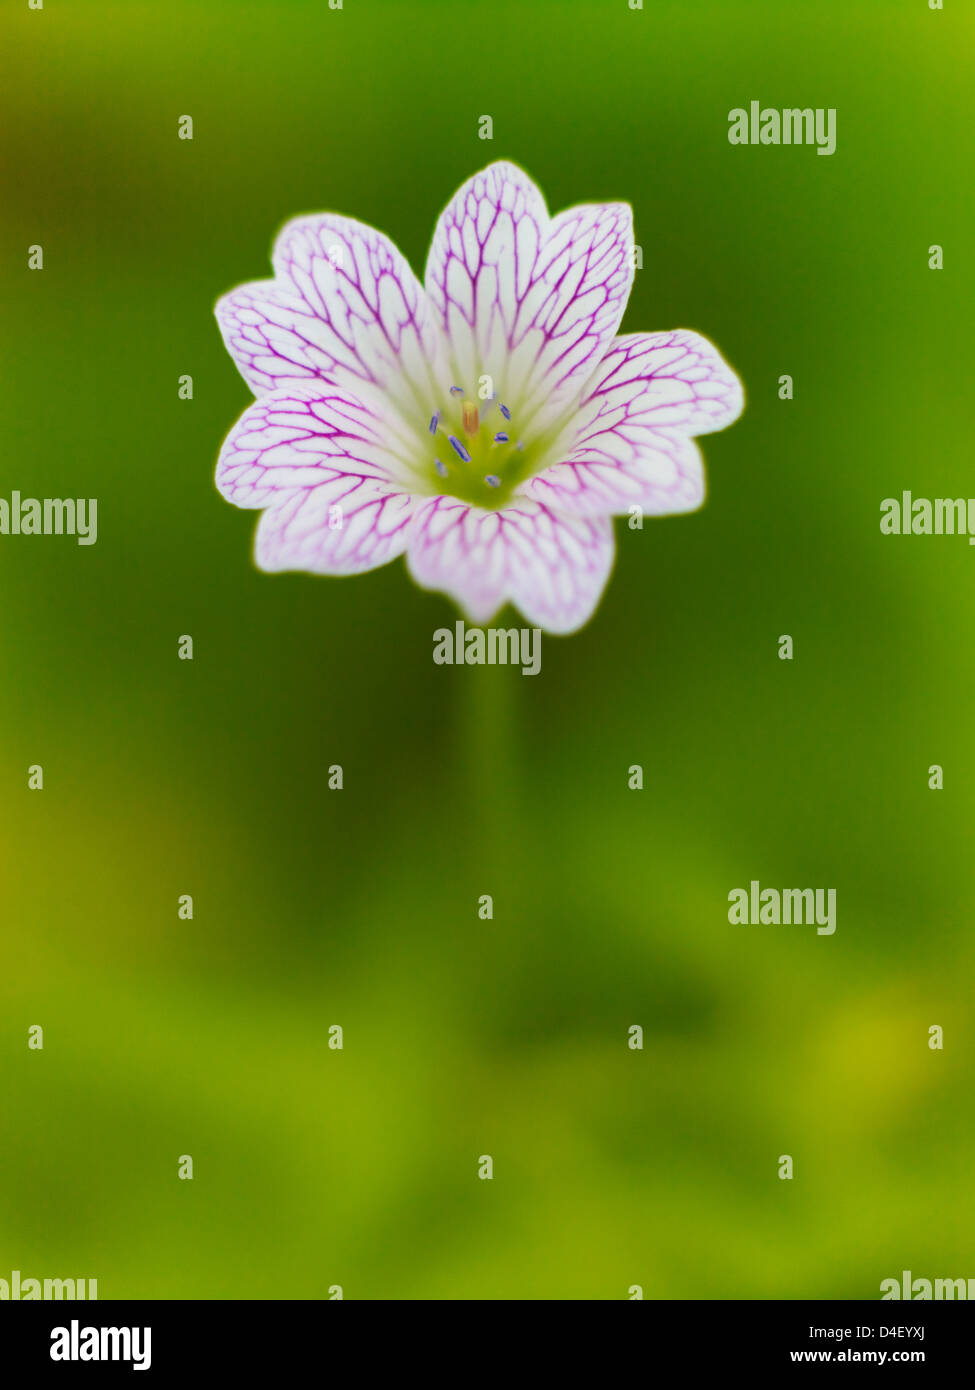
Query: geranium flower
[{"x": 486, "y": 424}]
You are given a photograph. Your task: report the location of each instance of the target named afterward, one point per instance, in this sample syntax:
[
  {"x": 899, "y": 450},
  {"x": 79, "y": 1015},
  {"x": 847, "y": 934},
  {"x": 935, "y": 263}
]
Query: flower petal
[
  {"x": 631, "y": 443},
  {"x": 677, "y": 380},
  {"x": 347, "y": 524},
  {"x": 528, "y": 300},
  {"x": 344, "y": 308},
  {"x": 271, "y": 337},
  {"x": 553, "y": 568},
  {"x": 612, "y": 473},
  {"x": 300, "y": 437},
  {"x": 323, "y": 468}
]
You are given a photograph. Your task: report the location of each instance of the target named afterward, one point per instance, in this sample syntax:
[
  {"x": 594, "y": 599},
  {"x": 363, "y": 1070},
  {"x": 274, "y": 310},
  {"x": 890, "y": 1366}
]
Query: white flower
[{"x": 487, "y": 425}]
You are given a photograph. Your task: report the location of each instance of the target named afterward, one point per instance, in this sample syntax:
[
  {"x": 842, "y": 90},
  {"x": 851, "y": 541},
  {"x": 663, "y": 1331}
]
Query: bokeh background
[{"x": 209, "y": 1037}]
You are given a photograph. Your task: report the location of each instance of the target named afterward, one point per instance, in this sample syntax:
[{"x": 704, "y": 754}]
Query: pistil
[{"x": 476, "y": 446}]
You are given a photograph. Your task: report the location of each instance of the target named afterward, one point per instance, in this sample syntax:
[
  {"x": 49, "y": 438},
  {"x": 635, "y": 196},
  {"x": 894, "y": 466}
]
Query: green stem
[{"x": 491, "y": 737}]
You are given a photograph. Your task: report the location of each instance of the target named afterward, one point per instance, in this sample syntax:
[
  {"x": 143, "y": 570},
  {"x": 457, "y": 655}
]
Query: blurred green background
[{"x": 209, "y": 1037}]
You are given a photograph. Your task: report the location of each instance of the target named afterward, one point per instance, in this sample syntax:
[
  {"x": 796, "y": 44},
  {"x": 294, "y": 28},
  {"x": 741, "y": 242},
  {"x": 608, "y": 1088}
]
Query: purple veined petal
[
  {"x": 631, "y": 442},
  {"x": 298, "y": 437},
  {"x": 613, "y": 472},
  {"x": 552, "y": 567},
  {"x": 483, "y": 254},
  {"x": 676, "y": 380},
  {"x": 530, "y": 300},
  {"x": 272, "y": 338},
  {"x": 347, "y": 524},
  {"x": 344, "y": 308},
  {"x": 573, "y": 309}
]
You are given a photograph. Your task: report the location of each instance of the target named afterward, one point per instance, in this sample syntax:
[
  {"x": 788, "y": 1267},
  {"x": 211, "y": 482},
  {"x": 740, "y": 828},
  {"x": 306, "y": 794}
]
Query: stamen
[{"x": 473, "y": 426}]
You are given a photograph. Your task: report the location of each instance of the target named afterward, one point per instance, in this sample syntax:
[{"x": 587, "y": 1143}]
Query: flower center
[{"x": 474, "y": 453}]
